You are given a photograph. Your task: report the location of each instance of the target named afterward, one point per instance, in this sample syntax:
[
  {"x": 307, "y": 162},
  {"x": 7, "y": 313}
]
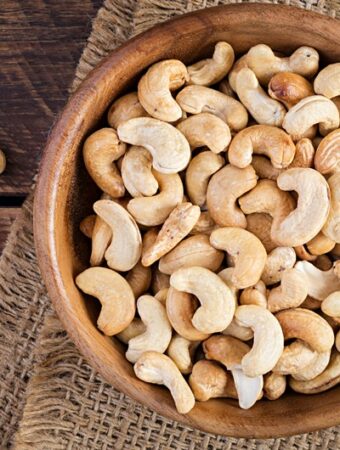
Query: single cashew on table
[{"x": 215, "y": 238}]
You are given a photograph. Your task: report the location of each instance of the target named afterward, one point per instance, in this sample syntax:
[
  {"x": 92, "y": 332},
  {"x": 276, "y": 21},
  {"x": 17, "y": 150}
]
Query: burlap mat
[{"x": 50, "y": 398}]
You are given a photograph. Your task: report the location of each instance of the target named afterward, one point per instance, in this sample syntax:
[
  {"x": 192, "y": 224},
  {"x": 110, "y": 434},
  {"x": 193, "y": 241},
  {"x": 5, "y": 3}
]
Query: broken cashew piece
[
  {"x": 274, "y": 385},
  {"x": 181, "y": 351},
  {"x": 327, "y": 82},
  {"x": 327, "y": 156},
  {"x": 331, "y": 305},
  {"x": 125, "y": 108},
  {"x": 289, "y": 88},
  {"x": 139, "y": 279},
  {"x": 114, "y": 294},
  {"x": 331, "y": 228},
  {"x": 291, "y": 293},
  {"x": 319, "y": 283},
  {"x": 254, "y": 295},
  {"x": 295, "y": 357},
  {"x": 278, "y": 261},
  {"x": 157, "y": 368}
]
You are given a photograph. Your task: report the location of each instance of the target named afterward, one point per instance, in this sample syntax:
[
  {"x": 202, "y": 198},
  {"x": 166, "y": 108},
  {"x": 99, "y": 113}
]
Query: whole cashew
[
  {"x": 304, "y": 154},
  {"x": 237, "y": 67},
  {"x": 263, "y": 140},
  {"x": 154, "y": 89},
  {"x": 264, "y": 168},
  {"x": 264, "y": 109},
  {"x": 168, "y": 147},
  {"x": 178, "y": 225},
  {"x": 193, "y": 251},
  {"x": 319, "y": 283},
  {"x": 204, "y": 225},
  {"x": 327, "y": 82},
  {"x": 331, "y": 305},
  {"x": 157, "y": 368},
  {"x": 125, "y": 108},
  {"x": 198, "y": 173},
  {"x": 291, "y": 293},
  {"x": 100, "y": 151},
  {"x": 315, "y": 368},
  {"x": 295, "y": 357},
  {"x": 289, "y": 88},
  {"x": 87, "y": 224},
  {"x": 254, "y": 295},
  {"x": 114, "y": 294},
  {"x": 139, "y": 279},
  {"x": 321, "y": 244},
  {"x": 217, "y": 301},
  {"x": 135, "y": 328},
  {"x": 260, "y": 224},
  {"x": 206, "y": 129},
  {"x": 327, "y": 156},
  {"x": 250, "y": 255},
  {"x": 332, "y": 226},
  {"x": 212, "y": 70},
  {"x": 181, "y": 351},
  {"x": 274, "y": 385},
  {"x": 278, "y": 261},
  {"x": 224, "y": 188},
  {"x": 198, "y": 99},
  {"x": 151, "y": 211}
]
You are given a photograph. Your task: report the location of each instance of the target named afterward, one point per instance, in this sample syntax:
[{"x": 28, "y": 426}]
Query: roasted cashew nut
[
  {"x": 125, "y": 108},
  {"x": 303, "y": 253},
  {"x": 331, "y": 228},
  {"x": 264, "y": 168},
  {"x": 237, "y": 67},
  {"x": 331, "y": 305},
  {"x": 181, "y": 351},
  {"x": 291, "y": 293},
  {"x": 295, "y": 357},
  {"x": 327, "y": 82},
  {"x": 315, "y": 368},
  {"x": 238, "y": 331},
  {"x": 278, "y": 260},
  {"x": 274, "y": 385},
  {"x": 114, "y": 294},
  {"x": 289, "y": 88},
  {"x": 139, "y": 279},
  {"x": 260, "y": 224},
  {"x": 101, "y": 238},
  {"x": 87, "y": 224},
  {"x": 322, "y": 244},
  {"x": 319, "y": 283},
  {"x": 327, "y": 156},
  {"x": 254, "y": 295}
]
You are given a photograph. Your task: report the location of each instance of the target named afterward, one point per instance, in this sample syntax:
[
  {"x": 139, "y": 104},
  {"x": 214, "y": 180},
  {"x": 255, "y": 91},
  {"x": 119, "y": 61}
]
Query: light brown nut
[
  {"x": 101, "y": 238},
  {"x": 226, "y": 89},
  {"x": 260, "y": 224},
  {"x": 178, "y": 225},
  {"x": 136, "y": 172},
  {"x": 87, "y": 224},
  {"x": 323, "y": 262},
  {"x": 303, "y": 253},
  {"x": 159, "y": 281},
  {"x": 262, "y": 60},
  {"x": 327, "y": 156},
  {"x": 100, "y": 151},
  {"x": 114, "y": 294},
  {"x": 262, "y": 108},
  {"x": 264, "y": 168},
  {"x": 181, "y": 351},
  {"x": 152, "y": 211},
  {"x": 334, "y": 322},
  {"x": 336, "y": 268},
  {"x": 291, "y": 293},
  {"x": 304, "y": 154},
  {"x": 224, "y": 188},
  {"x": 209, "y": 380},
  {"x": 237, "y": 67},
  {"x": 321, "y": 244},
  {"x": 295, "y": 357},
  {"x": 331, "y": 305},
  {"x": 327, "y": 379},
  {"x": 336, "y": 253},
  {"x": 308, "y": 326},
  {"x": 274, "y": 385},
  {"x": 327, "y": 82},
  {"x": 254, "y": 295},
  {"x": 227, "y": 275},
  {"x": 315, "y": 368},
  {"x": 278, "y": 261},
  {"x": 125, "y": 108},
  {"x": 181, "y": 307},
  {"x": 149, "y": 238},
  {"x": 337, "y": 341},
  {"x": 135, "y": 328},
  {"x": 250, "y": 255},
  {"x": 268, "y": 339},
  {"x": 206, "y": 130},
  {"x": 204, "y": 225},
  {"x": 289, "y": 88},
  {"x": 169, "y": 148},
  {"x": 212, "y": 70},
  {"x": 319, "y": 283},
  {"x": 161, "y": 295},
  {"x": 2, "y": 161},
  {"x": 313, "y": 205},
  {"x": 139, "y": 279},
  {"x": 311, "y": 111},
  {"x": 198, "y": 99},
  {"x": 198, "y": 173},
  {"x": 154, "y": 89},
  {"x": 217, "y": 301},
  {"x": 157, "y": 368},
  {"x": 238, "y": 331},
  {"x": 125, "y": 248},
  {"x": 193, "y": 251},
  {"x": 264, "y": 140},
  {"x": 331, "y": 228},
  {"x": 311, "y": 303}
]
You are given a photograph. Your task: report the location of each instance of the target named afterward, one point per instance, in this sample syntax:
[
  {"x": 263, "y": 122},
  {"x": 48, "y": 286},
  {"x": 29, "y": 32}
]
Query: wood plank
[{"x": 7, "y": 217}]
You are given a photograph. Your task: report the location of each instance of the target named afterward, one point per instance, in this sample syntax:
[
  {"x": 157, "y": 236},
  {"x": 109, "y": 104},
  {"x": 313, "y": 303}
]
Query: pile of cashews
[{"x": 216, "y": 238}]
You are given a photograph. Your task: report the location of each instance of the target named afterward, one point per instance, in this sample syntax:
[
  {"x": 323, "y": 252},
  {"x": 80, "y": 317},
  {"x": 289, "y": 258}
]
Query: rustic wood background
[{"x": 40, "y": 44}]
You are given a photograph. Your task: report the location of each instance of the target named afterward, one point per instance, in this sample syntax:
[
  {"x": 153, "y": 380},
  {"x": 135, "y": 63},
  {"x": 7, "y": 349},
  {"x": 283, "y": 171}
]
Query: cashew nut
[
  {"x": 226, "y": 275},
  {"x": 135, "y": 328},
  {"x": 315, "y": 368},
  {"x": 196, "y": 99},
  {"x": 181, "y": 351},
  {"x": 327, "y": 82},
  {"x": 263, "y": 140},
  {"x": 114, "y": 294},
  {"x": 238, "y": 331},
  {"x": 159, "y": 281},
  {"x": 157, "y": 368},
  {"x": 125, "y": 108},
  {"x": 274, "y": 385},
  {"x": 139, "y": 279},
  {"x": 161, "y": 295},
  {"x": 289, "y": 88},
  {"x": 226, "y": 89},
  {"x": 224, "y": 188},
  {"x": 254, "y": 295},
  {"x": 332, "y": 226},
  {"x": 303, "y": 253},
  {"x": 154, "y": 89},
  {"x": 168, "y": 147},
  {"x": 331, "y": 305},
  {"x": 327, "y": 156},
  {"x": 321, "y": 244},
  {"x": 260, "y": 225},
  {"x": 101, "y": 238},
  {"x": 264, "y": 168},
  {"x": 337, "y": 341},
  {"x": 278, "y": 260},
  {"x": 291, "y": 293},
  {"x": 323, "y": 262},
  {"x": 237, "y": 67},
  {"x": 311, "y": 303},
  {"x": 87, "y": 224},
  {"x": 319, "y": 283},
  {"x": 250, "y": 255},
  {"x": 204, "y": 225},
  {"x": 295, "y": 357},
  {"x": 304, "y": 154}
]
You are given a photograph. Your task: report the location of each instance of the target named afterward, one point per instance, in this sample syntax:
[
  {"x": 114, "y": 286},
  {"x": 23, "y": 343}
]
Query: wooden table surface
[{"x": 40, "y": 44}]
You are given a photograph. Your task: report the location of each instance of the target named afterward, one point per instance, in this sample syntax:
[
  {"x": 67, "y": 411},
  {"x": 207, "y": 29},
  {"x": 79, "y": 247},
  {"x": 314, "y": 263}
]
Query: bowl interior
[{"x": 65, "y": 195}]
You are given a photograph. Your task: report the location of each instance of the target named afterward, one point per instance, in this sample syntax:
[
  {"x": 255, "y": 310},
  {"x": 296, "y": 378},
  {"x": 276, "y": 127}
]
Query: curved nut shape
[
  {"x": 181, "y": 351},
  {"x": 295, "y": 357},
  {"x": 114, "y": 294},
  {"x": 327, "y": 82},
  {"x": 304, "y": 154},
  {"x": 268, "y": 339},
  {"x": 250, "y": 255},
  {"x": 264, "y": 140},
  {"x": 311, "y": 111},
  {"x": 319, "y": 283},
  {"x": 100, "y": 151},
  {"x": 263, "y": 109},
  {"x": 278, "y": 261},
  {"x": 224, "y": 188},
  {"x": 206, "y": 129},
  {"x": 262, "y": 60},
  {"x": 331, "y": 305},
  {"x": 308, "y": 326},
  {"x": 315, "y": 368},
  {"x": 254, "y": 295},
  {"x": 327, "y": 156},
  {"x": 237, "y": 67},
  {"x": 136, "y": 172},
  {"x": 178, "y": 225},
  {"x": 198, "y": 99},
  {"x": 125, "y": 108},
  {"x": 157, "y": 368},
  {"x": 87, "y": 224},
  {"x": 291, "y": 293},
  {"x": 289, "y": 88},
  {"x": 274, "y": 386},
  {"x": 198, "y": 173},
  {"x": 212, "y": 70},
  {"x": 154, "y": 89},
  {"x": 331, "y": 228},
  {"x": 168, "y": 147},
  {"x": 193, "y": 251},
  {"x": 217, "y": 301},
  {"x": 157, "y": 335},
  {"x": 238, "y": 331},
  {"x": 152, "y": 211},
  {"x": 264, "y": 168},
  {"x": 260, "y": 225},
  {"x": 139, "y": 279},
  {"x": 126, "y": 245},
  {"x": 321, "y": 244},
  {"x": 135, "y": 328},
  {"x": 204, "y": 225},
  {"x": 305, "y": 222}
]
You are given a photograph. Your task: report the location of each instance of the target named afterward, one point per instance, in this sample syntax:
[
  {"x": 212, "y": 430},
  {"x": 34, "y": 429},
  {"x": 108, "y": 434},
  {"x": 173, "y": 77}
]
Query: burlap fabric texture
[{"x": 50, "y": 398}]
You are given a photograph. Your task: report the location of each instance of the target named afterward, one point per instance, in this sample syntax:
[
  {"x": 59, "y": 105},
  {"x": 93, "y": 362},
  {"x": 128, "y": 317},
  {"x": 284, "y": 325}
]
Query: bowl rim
[{"x": 50, "y": 171}]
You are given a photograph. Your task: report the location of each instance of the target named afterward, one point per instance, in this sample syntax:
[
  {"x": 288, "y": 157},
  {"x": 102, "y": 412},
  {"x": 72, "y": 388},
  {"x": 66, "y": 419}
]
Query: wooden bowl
[{"x": 65, "y": 195}]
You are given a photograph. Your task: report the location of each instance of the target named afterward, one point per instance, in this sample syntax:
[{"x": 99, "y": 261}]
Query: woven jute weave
[{"x": 50, "y": 398}]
